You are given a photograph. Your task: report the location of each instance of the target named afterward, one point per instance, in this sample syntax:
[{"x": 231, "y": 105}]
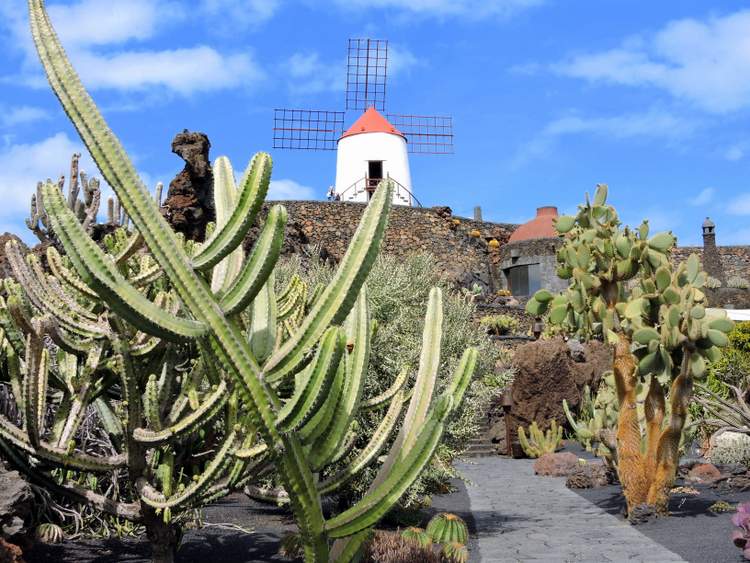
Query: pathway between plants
[{"x": 522, "y": 517}]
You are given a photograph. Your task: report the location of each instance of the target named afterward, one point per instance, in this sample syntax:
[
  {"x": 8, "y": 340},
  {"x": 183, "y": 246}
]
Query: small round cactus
[
  {"x": 456, "y": 221},
  {"x": 475, "y": 233},
  {"x": 418, "y": 536},
  {"x": 455, "y": 552},
  {"x": 49, "y": 533},
  {"x": 447, "y": 528},
  {"x": 493, "y": 243}
]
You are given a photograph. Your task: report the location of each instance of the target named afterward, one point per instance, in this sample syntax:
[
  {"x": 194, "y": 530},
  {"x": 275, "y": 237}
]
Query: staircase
[{"x": 480, "y": 446}]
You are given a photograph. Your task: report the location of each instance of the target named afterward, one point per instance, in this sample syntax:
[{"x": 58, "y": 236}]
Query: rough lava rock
[
  {"x": 706, "y": 473},
  {"x": 189, "y": 204},
  {"x": 559, "y": 464},
  {"x": 548, "y": 371},
  {"x": 16, "y": 500},
  {"x": 590, "y": 476}
]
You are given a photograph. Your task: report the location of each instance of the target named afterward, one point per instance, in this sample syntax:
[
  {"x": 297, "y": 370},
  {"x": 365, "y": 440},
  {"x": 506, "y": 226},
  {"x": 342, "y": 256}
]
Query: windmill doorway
[{"x": 374, "y": 175}]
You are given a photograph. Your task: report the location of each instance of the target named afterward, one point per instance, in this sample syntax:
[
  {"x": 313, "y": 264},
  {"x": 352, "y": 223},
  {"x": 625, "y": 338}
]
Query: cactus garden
[{"x": 228, "y": 367}]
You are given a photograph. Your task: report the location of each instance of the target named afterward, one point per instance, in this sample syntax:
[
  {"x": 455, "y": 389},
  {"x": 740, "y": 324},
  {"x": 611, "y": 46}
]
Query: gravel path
[{"x": 521, "y": 517}]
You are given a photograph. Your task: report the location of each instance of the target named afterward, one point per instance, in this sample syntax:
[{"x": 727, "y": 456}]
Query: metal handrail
[{"x": 369, "y": 184}]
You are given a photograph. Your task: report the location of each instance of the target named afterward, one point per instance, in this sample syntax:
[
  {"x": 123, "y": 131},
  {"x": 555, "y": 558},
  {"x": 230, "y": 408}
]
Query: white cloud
[
  {"x": 306, "y": 73},
  {"x": 470, "y": 9},
  {"x": 654, "y": 124},
  {"x": 289, "y": 189},
  {"x": 735, "y": 152},
  {"x": 94, "y": 33},
  {"x": 22, "y": 114},
  {"x": 243, "y": 14},
  {"x": 93, "y": 22},
  {"x": 740, "y": 205},
  {"x": 705, "y": 62},
  {"x": 705, "y": 197},
  {"x": 184, "y": 71}
]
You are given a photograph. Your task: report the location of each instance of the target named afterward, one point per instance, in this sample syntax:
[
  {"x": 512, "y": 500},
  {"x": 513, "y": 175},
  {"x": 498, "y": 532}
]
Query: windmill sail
[
  {"x": 366, "y": 73},
  {"x": 425, "y": 134},
  {"x": 307, "y": 129}
]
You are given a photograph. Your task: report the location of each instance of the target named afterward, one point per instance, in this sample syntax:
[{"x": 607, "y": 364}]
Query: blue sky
[{"x": 548, "y": 97}]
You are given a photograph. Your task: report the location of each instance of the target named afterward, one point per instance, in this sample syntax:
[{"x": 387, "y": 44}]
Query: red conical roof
[
  {"x": 371, "y": 122},
  {"x": 541, "y": 226}
]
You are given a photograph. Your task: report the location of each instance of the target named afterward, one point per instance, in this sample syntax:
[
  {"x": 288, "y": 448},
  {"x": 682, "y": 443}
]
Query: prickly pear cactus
[{"x": 624, "y": 289}]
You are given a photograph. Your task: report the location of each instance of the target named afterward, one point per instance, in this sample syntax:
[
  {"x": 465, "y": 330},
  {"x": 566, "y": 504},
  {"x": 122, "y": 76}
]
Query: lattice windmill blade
[
  {"x": 366, "y": 73},
  {"x": 425, "y": 134},
  {"x": 307, "y": 129}
]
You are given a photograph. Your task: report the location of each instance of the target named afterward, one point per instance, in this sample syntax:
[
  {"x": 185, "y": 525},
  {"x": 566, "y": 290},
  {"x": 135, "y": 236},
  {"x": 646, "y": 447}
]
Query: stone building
[{"x": 528, "y": 261}]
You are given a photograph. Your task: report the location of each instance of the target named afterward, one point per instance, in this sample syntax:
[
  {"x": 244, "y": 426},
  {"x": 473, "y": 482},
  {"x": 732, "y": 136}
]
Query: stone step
[{"x": 480, "y": 452}]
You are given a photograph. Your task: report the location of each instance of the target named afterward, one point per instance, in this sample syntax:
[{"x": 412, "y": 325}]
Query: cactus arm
[
  {"x": 35, "y": 387},
  {"x": 129, "y": 249},
  {"x": 13, "y": 336},
  {"x": 129, "y": 511},
  {"x": 320, "y": 423},
  {"x": 110, "y": 422},
  {"x": 368, "y": 454},
  {"x": 424, "y": 386},
  {"x": 348, "y": 549},
  {"x": 338, "y": 298},
  {"x": 314, "y": 383},
  {"x": 151, "y": 404},
  {"x": 225, "y": 194},
  {"x": 249, "y": 453},
  {"x": 61, "y": 272},
  {"x": 462, "y": 375},
  {"x": 10, "y": 433},
  {"x": 209, "y": 408},
  {"x": 52, "y": 289},
  {"x": 355, "y": 366},
  {"x": 262, "y": 335},
  {"x": 379, "y": 500},
  {"x": 93, "y": 266},
  {"x": 259, "y": 265},
  {"x": 14, "y": 373},
  {"x": 249, "y": 201},
  {"x": 152, "y": 497},
  {"x": 389, "y": 393}
]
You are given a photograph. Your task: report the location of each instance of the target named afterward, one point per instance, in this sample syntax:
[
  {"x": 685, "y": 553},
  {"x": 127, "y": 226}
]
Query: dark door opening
[{"x": 374, "y": 175}]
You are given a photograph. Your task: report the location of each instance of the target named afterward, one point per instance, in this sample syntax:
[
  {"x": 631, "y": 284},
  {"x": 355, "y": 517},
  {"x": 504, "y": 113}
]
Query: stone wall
[
  {"x": 463, "y": 258},
  {"x": 534, "y": 251},
  {"x": 735, "y": 260}
]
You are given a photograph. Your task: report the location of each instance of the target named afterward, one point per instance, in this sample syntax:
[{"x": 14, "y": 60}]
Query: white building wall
[{"x": 352, "y": 157}]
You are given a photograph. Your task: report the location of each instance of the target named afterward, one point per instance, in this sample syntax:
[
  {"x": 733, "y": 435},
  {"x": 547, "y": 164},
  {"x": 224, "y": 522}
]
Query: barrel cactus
[
  {"x": 418, "y": 536},
  {"x": 624, "y": 289},
  {"x": 172, "y": 341},
  {"x": 455, "y": 553},
  {"x": 447, "y": 528},
  {"x": 49, "y": 533}
]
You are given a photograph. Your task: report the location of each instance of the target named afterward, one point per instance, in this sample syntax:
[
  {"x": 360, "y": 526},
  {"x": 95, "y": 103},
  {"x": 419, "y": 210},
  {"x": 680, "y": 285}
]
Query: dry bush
[{"x": 390, "y": 547}]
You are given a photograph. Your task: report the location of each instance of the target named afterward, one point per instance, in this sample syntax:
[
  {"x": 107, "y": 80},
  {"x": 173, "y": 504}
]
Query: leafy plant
[
  {"x": 539, "y": 443},
  {"x": 499, "y": 324},
  {"x": 624, "y": 290},
  {"x": 289, "y": 390}
]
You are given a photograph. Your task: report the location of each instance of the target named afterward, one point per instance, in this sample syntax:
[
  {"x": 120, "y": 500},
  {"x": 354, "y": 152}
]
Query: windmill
[{"x": 377, "y": 145}]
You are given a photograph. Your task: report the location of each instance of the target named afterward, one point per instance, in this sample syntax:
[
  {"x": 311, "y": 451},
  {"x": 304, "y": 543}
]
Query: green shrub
[
  {"x": 734, "y": 366},
  {"x": 500, "y": 324},
  {"x": 397, "y": 288}
]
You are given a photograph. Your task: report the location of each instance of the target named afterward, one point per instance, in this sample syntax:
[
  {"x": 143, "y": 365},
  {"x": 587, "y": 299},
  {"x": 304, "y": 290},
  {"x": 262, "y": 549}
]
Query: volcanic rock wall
[{"x": 463, "y": 258}]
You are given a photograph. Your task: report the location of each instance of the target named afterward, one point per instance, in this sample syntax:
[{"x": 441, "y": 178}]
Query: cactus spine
[
  {"x": 214, "y": 306},
  {"x": 624, "y": 290}
]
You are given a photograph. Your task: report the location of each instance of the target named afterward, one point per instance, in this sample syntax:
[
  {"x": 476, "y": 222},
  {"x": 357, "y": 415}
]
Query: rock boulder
[{"x": 548, "y": 371}]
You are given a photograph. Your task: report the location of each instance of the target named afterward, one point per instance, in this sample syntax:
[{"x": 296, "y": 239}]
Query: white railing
[{"x": 369, "y": 185}]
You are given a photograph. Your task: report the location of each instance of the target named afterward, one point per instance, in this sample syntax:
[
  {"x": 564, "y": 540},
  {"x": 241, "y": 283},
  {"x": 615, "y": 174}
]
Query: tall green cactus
[
  {"x": 624, "y": 289},
  {"x": 285, "y": 374}
]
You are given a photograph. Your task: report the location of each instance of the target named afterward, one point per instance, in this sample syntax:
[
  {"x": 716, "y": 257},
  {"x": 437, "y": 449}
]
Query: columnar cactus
[
  {"x": 538, "y": 443},
  {"x": 624, "y": 290},
  {"x": 288, "y": 391}
]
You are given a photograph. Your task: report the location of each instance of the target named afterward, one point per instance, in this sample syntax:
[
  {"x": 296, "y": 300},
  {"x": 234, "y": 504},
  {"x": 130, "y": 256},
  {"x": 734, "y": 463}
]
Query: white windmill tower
[{"x": 376, "y": 146}]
